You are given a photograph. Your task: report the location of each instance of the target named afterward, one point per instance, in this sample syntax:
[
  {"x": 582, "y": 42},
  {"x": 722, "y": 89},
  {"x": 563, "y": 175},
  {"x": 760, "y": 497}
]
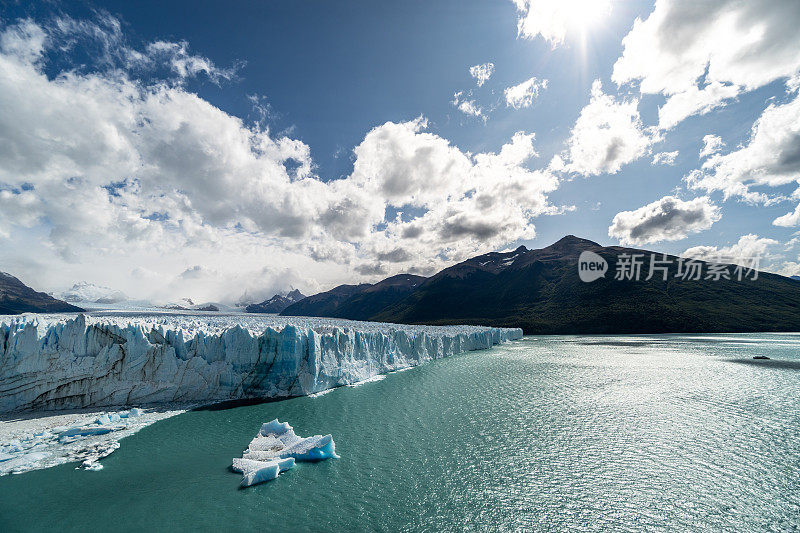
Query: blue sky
[{"x": 349, "y": 115}]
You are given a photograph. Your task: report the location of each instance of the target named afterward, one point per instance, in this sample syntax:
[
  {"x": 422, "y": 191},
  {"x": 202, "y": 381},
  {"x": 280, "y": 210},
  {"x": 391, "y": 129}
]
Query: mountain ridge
[
  {"x": 540, "y": 291},
  {"x": 277, "y": 303},
  {"x": 355, "y": 302},
  {"x": 17, "y": 298}
]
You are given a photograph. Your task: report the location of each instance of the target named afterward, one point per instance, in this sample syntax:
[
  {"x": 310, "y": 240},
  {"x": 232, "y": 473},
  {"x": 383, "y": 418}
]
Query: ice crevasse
[{"x": 51, "y": 362}]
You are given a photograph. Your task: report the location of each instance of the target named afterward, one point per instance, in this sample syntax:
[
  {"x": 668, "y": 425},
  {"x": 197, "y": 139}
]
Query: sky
[{"x": 229, "y": 151}]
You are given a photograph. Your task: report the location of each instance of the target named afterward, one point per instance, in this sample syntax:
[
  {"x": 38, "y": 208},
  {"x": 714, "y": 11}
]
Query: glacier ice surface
[
  {"x": 178, "y": 360},
  {"x": 118, "y": 359},
  {"x": 276, "y": 448}
]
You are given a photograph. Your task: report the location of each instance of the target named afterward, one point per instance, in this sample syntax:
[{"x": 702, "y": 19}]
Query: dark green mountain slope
[
  {"x": 356, "y": 302},
  {"x": 541, "y": 292},
  {"x": 16, "y": 298},
  {"x": 377, "y": 297},
  {"x": 324, "y": 303}
]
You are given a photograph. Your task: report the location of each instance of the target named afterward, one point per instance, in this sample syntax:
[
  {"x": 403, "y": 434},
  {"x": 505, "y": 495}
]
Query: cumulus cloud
[
  {"x": 523, "y": 94},
  {"x": 482, "y": 72},
  {"x": 665, "y": 158},
  {"x": 770, "y": 158},
  {"x": 666, "y": 219},
  {"x": 100, "y": 153},
  {"x": 789, "y": 220},
  {"x": 748, "y": 249},
  {"x": 711, "y": 145},
  {"x": 700, "y": 54},
  {"x": 102, "y": 169},
  {"x": 470, "y": 201},
  {"x": 607, "y": 135}
]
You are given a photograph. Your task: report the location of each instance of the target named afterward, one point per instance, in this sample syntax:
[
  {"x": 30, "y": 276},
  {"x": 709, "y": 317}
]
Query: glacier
[
  {"x": 276, "y": 448},
  {"x": 123, "y": 359}
]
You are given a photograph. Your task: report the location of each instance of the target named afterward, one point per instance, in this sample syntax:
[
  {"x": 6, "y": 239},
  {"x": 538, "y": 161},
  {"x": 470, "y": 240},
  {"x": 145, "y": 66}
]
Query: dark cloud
[
  {"x": 371, "y": 269},
  {"x": 398, "y": 255},
  {"x": 461, "y": 226},
  {"x": 666, "y": 219}
]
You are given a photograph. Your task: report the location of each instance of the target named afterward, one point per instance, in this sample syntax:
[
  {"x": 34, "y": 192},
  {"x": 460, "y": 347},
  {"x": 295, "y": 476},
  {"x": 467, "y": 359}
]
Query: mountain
[
  {"x": 16, "y": 298},
  {"x": 541, "y": 292},
  {"x": 85, "y": 292},
  {"x": 356, "y": 302},
  {"x": 277, "y": 303},
  {"x": 324, "y": 303}
]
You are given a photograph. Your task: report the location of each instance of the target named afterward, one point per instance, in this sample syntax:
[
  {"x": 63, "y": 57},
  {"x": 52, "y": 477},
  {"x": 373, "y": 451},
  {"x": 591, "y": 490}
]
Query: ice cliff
[{"x": 48, "y": 362}]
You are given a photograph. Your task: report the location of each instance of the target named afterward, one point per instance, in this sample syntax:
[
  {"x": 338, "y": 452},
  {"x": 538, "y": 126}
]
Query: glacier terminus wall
[{"x": 49, "y": 362}]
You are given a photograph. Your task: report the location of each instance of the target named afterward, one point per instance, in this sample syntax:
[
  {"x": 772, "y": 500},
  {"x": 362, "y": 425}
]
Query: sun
[
  {"x": 582, "y": 15},
  {"x": 555, "y": 20}
]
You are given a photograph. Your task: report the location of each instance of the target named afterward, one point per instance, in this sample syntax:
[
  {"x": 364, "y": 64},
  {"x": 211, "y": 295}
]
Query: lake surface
[{"x": 590, "y": 433}]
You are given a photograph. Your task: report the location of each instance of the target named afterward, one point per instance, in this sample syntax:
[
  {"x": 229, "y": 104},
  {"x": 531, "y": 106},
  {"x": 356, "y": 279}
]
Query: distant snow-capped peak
[{"x": 83, "y": 291}]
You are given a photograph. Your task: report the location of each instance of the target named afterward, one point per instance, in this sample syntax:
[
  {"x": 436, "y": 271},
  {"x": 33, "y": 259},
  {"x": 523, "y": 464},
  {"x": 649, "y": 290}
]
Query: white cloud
[
  {"x": 712, "y": 144},
  {"x": 554, "y": 19},
  {"x": 468, "y": 107},
  {"x": 749, "y": 248},
  {"x": 771, "y": 157},
  {"x": 607, "y": 135},
  {"x": 482, "y": 72},
  {"x": 523, "y": 94},
  {"x": 107, "y": 177},
  {"x": 789, "y": 220},
  {"x": 247, "y": 285},
  {"x": 700, "y": 54},
  {"x": 158, "y": 148},
  {"x": 407, "y": 166},
  {"x": 665, "y": 158},
  {"x": 694, "y": 101},
  {"x": 184, "y": 64},
  {"x": 666, "y": 219},
  {"x": 471, "y": 202},
  {"x": 789, "y": 268}
]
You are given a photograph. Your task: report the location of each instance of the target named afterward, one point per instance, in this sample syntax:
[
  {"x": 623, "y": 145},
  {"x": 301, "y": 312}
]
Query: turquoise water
[{"x": 591, "y": 433}]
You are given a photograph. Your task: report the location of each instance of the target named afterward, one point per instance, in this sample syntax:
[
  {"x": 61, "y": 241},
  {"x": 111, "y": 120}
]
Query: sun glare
[{"x": 581, "y": 15}]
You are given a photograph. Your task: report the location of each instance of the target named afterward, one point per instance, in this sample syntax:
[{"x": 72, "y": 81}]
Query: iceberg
[
  {"x": 276, "y": 448},
  {"x": 108, "y": 359}
]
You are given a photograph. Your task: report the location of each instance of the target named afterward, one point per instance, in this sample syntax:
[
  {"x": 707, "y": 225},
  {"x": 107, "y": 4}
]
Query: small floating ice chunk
[
  {"x": 92, "y": 464},
  {"x": 275, "y": 449},
  {"x": 254, "y": 472}
]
